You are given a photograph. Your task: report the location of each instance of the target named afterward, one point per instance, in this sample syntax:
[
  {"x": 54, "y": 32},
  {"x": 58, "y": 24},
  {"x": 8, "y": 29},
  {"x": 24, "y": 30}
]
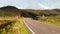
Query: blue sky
[{"x": 32, "y": 4}]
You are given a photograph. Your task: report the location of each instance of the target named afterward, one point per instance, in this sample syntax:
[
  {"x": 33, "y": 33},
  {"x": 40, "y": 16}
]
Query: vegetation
[
  {"x": 14, "y": 26},
  {"x": 50, "y": 20},
  {"x": 3, "y": 13},
  {"x": 11, "y": 22},
  {"x": 9, "y": 11}
]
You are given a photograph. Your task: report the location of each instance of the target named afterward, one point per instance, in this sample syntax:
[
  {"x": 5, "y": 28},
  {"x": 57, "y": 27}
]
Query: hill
[
  {"x": 35, "y": 13},
  {"x": 13, "y": 11},
  {"x": 9, "y": 11}
]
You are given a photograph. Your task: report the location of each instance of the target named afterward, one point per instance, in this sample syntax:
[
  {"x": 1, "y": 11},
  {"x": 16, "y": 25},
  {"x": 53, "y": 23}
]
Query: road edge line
[{"x": 29, "y": 28}]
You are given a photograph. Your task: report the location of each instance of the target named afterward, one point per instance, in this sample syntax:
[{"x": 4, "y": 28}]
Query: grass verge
[
  {"x": 50, "y": 20},
  {"x": 13, "y": 27}
]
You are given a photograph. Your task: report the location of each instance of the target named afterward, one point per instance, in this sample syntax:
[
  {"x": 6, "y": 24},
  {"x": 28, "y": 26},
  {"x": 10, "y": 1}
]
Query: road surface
[{"x": 37, "y": 28}]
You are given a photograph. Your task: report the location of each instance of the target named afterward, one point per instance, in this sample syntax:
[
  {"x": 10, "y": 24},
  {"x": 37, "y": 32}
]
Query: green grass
[
  {"x": 51, "y": 20},
  {"x": 6, "y": 13},
  {"x": 15, "y": 27}
]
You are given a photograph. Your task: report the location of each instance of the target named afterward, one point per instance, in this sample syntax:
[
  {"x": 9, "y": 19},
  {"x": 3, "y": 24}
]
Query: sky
[{"x": 31, "y": 4}]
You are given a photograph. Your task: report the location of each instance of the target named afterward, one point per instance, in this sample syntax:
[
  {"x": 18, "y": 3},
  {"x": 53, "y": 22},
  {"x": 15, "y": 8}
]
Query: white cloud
[
  {"x": 43, "y": 6},
  {"x": 19, "y": 7}
]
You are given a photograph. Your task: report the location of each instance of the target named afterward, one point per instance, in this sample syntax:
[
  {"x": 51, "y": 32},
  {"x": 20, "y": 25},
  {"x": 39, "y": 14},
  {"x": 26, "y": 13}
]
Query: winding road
[{"x": 37, "y": 28}]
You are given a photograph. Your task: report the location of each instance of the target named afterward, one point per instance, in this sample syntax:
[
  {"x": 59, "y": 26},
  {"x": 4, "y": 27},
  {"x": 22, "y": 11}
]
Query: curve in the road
[{"x": 37, "y": 28}]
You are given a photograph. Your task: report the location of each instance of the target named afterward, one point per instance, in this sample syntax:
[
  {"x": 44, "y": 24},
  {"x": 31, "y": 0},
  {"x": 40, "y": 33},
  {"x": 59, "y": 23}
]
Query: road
[{"x": 37, "y": 28}]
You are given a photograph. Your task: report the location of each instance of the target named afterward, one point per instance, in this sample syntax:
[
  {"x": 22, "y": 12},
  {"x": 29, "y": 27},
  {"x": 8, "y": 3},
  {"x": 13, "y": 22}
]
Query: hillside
[
  {"x": 35, "y": 13},
  {"x": 45, "y": 12},
  {"x": 28, "y": 12},
  {"x": 9, "y": 11}
]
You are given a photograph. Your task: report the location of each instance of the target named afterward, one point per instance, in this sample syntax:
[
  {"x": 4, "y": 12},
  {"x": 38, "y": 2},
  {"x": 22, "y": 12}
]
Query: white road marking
[{"x": 29, "y": 28}]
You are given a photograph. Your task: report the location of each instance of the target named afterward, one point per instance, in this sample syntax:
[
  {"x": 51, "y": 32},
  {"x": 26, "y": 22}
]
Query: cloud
[
  {"x": 43, "y": 6},
  {"x": 37, "y": 6},
  {"x": 19, "y": 7}
]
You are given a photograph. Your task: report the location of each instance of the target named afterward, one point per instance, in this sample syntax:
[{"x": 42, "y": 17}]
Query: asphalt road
[{"x": 37, "y": 28}]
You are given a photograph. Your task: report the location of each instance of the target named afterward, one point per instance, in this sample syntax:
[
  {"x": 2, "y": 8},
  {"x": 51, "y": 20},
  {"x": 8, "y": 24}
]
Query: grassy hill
[
  {"x": 13, "y": 11},
  {"x": 45, "y": 12},
  {"x": 34, "y": 13},
  {"x": 9, "y": 11}
]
